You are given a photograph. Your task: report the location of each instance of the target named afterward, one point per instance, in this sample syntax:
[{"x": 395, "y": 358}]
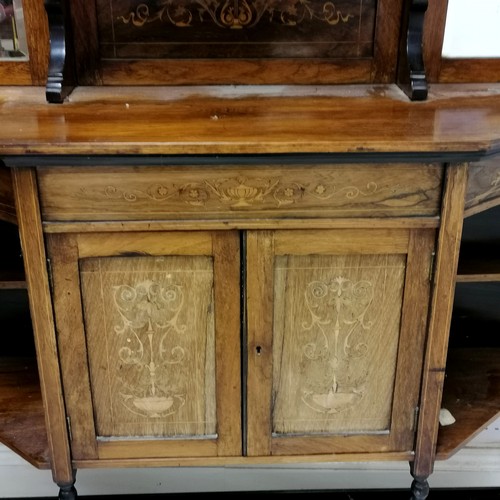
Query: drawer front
[{"x": 233, "y": 192}]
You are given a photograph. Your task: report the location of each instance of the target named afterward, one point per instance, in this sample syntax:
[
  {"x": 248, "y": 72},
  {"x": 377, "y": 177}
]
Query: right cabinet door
[{"x": 336, "y": 322}]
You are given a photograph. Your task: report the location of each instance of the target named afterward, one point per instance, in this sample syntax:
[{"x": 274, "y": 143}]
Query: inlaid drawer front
[{"x": 205, "y": 192}]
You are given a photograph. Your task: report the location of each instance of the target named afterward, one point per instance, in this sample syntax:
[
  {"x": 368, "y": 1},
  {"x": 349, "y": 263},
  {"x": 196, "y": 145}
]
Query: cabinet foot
[
  {"x": 419, "y": 488},
  {"x": 67, "y": 493}
]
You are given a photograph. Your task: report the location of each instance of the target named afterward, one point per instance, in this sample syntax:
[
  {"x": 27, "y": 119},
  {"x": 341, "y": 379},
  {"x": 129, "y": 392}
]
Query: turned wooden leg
[
  {"x": 68, "y": 492},
  {"x": 419, "y": 488}
]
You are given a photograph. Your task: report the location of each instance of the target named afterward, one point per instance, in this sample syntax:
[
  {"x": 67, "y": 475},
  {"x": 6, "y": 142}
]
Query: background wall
[{"x": 472, "y": 29}]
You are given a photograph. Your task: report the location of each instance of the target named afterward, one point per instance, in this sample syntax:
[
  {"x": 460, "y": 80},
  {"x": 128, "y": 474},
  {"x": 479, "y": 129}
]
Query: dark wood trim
[
  {"x": 411, "y": 70},
  {"x": 16, "y": 161},
  {"x": 60, "y": 81}
]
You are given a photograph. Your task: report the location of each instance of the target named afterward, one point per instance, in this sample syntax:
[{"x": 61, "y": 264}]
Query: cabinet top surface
[{"x": 251, "y": 120}]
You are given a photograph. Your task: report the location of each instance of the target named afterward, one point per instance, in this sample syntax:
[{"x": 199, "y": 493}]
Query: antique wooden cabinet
[
  {"x": 233, "y": 274},
  {"x": 320, "y": 305},
  {"x": 266, "y": 284}
]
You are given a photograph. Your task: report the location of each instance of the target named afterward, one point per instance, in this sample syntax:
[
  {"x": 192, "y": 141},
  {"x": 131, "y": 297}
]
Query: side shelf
[
  {"x": 472, "y": 385},
  {"x": 22, "y": 423},
  {"x": 471, "y": 394}
]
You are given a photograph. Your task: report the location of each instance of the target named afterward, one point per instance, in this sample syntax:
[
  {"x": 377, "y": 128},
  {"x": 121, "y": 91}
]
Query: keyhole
[{"x": 258, "y": 349}]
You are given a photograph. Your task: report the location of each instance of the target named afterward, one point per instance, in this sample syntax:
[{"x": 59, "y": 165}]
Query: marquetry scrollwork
[
  {"x": 337, "y": 309},
  {"x": 240, "y": 192},
  {"x": 236, "y": 14},
  {"x": 148, "y": 314},
  {"x": 483, "y": 190}
]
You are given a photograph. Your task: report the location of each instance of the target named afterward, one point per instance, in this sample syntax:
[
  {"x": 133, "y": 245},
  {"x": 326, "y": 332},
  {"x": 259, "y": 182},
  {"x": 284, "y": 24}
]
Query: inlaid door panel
[
  {"x": 130, "y": 42},
  {"x": 156, "y": 311},
  {"x": 150, "y": 338},
  {"x": 339, "y": 343}
]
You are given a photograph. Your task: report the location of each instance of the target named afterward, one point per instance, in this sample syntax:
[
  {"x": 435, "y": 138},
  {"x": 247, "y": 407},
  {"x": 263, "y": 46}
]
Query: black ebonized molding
[
  {"x": 411, "y": 71},
  {"x": 60, "y": 74},
  {"x": 315, "y": 159}
]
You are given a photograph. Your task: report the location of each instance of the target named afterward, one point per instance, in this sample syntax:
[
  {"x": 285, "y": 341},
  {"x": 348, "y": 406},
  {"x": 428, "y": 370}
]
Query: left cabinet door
[{"x": 148, "y": 328}]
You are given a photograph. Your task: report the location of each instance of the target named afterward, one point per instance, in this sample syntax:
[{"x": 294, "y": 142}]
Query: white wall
[{"x": 472, "y": 28}]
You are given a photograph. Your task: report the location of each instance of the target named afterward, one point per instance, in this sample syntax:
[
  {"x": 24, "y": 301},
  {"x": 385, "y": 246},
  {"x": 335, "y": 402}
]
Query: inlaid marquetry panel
[
  {"x": 150, "y": 338},
  {"x": 336, "y": 332},
  {"x": 238, "y": 191},
  {"x": 483, "y": 188},
  {"x": 145, "y": 29}
]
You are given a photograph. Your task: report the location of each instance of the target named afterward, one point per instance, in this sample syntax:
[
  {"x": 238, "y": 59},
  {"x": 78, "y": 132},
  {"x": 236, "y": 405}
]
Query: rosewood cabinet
[
  {"x": 260, "y": 312},
  {"x": 268, "y": 284}
]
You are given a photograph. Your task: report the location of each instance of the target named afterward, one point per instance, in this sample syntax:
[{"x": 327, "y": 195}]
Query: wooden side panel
[
  {"x": 237, "y": 191},
  {"x": 440, "y": 318},
  {"x": 336, "y": 334},
  {"x": 35, "y": 264},
  {"x": 151, "y": 345}
]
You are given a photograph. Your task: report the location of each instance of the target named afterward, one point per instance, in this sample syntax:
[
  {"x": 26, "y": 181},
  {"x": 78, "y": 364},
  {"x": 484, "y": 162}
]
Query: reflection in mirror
[{"x": 13, "y": 43}]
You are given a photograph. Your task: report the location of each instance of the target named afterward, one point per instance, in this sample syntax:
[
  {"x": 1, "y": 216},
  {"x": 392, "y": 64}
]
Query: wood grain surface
[
  {"x": 240, "y": 120},
  {"x": 236, "y": 191}
]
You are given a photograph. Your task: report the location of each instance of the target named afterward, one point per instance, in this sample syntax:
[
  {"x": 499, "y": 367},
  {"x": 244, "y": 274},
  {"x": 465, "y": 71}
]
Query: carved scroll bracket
[
  {"x": 60, "y": 75},
  {"x": 411, "y": 72}
]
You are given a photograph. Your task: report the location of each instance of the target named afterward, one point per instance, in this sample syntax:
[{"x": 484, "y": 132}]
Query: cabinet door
[
  {"x": 336, "y": 326},
  {"x": 149, "y": 337}
]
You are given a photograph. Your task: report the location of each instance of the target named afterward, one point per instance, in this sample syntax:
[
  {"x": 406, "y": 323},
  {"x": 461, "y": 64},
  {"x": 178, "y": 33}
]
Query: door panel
[
  {"x": 335, "y": 316},
  {"x": 151, "y": 313},
  {"x": 335, "y": 336},
  {"x": 151, "y": 345}
]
